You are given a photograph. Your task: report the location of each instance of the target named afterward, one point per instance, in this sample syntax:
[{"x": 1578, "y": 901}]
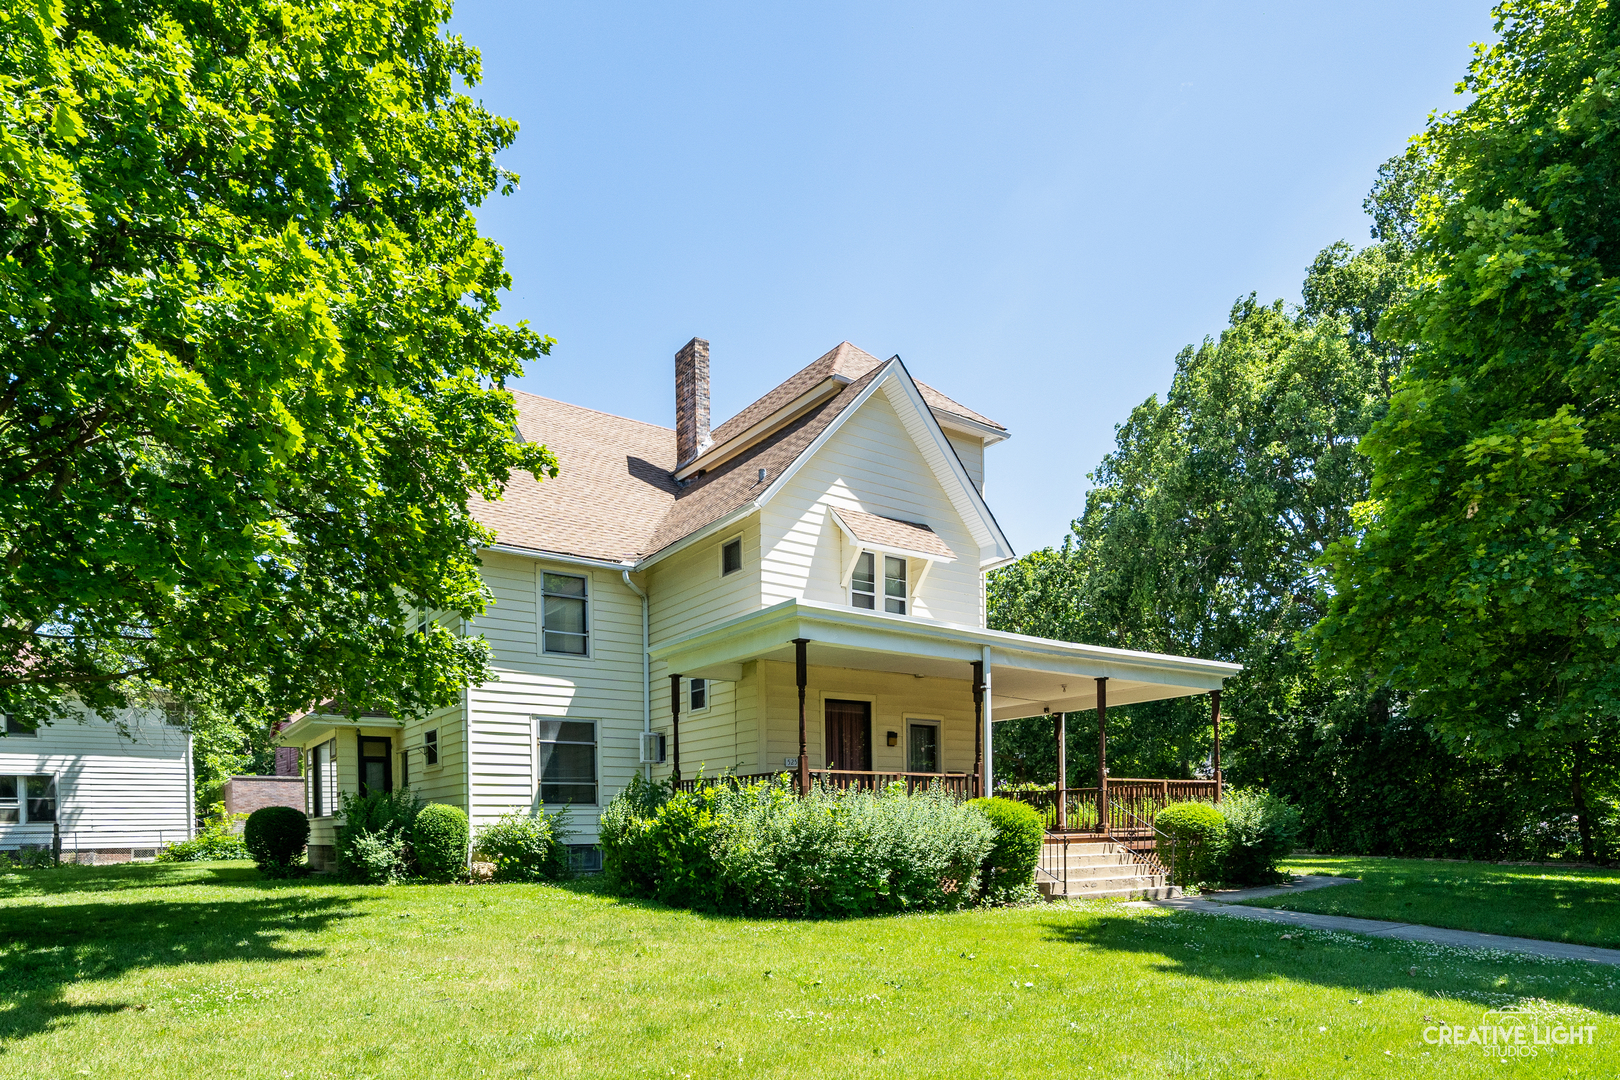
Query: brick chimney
[{"x": 691, "y": 401}]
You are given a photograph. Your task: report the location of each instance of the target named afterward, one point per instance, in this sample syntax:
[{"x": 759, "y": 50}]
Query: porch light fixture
[{"x": 894, "y": 738}]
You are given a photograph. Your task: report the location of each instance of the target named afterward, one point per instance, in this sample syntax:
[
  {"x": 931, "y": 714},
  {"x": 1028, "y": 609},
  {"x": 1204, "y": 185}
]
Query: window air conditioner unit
[{"x": 652, "y": 748}]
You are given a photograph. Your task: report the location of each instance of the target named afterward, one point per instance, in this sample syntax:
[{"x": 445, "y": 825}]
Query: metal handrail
[{"x": 1151, "y": 859}]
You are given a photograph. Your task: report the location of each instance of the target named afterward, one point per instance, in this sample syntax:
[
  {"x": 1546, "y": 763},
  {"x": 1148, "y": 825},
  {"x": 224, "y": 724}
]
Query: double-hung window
[
  {"x": 14, "y": 726},
  {"x": 567, "y": 759},
  {"x": 700, "y": 694},
  {"x": 430, "y": 747},
  {"x": 27, "y": 800},
  {"x": 562, "y": 601},
  {"x": 863, "y": 584}
]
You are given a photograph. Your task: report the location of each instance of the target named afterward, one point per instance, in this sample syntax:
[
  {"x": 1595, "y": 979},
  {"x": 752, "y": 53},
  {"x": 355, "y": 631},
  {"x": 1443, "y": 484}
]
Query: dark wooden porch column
[
  {"x": 978, "y": 727},
  {"x": 1060, "y": 723},
  {"x": 802, "y": 665},
  {"x": 675, "y": 722},
  {"x": 1102, "y": 756},
  {"x": 1215, "y": 717}
]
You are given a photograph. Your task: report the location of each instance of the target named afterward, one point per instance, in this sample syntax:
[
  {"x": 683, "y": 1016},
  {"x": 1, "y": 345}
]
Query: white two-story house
[{"x": 799, "y": 589}]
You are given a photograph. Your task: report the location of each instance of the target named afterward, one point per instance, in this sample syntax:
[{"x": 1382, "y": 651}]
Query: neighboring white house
[
  {"x": 831, "y": 540},
  {"x": 109, "y": 795}
]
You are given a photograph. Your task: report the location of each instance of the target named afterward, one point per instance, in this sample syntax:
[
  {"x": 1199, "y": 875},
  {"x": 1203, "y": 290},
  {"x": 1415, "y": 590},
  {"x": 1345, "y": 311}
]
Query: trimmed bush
[
  {"x": 1008, "y": 872},
  {"x": 439, "y": 836},
  {"x": 275, "y": 837},
  {"x": 761, "y": 850},
  {"x": 374, "y": 837},
  {"x": 1260, "y": 830},
  {"x": 1198, "y": 832},
  {"x": 526, "y": 847}
]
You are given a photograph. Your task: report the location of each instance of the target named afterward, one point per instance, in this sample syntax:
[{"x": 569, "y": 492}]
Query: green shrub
[
  {"x": 1260, "y": 830},
  {"x": 761, "y": 850},
  {"x": 1196, "y": 831},
  {"x": 28, "y": 858},
  {"x": 526, "y": 847},
  {"x": 629, "y": 856},
  {"x": 375, "y": 829},
  {"x": 1008, "y": 872},
  {"x": 275, "y": 837},
  {"x": 217, "y": 839},
  {"x": 439, "y": 836}
]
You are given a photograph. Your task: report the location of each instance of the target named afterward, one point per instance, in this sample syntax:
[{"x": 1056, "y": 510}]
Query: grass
[
  {"x": 203, "y": 970},
  {"x": 1580, "y": 906}
]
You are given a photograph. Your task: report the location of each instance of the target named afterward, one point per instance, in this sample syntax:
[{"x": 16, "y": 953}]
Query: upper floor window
[
  {"x": 863, "y": 584},
  {"x": 430, "y": 747},
  {"x": 700, "y": 694},
  {"x": 731, "y": 556},
  {"x": 567, "y": 751},
  {"x": 15, "y": 726},
  {"x": 563, "y": 614}
]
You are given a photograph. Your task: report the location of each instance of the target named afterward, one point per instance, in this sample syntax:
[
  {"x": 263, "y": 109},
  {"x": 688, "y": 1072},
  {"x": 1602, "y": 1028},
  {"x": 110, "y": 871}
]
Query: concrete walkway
[{"x": 1226, "y": 902}]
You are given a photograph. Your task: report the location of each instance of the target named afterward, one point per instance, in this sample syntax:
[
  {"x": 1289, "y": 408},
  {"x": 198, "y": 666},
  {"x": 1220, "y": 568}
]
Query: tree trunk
[{"x": 1577, "y": 791}]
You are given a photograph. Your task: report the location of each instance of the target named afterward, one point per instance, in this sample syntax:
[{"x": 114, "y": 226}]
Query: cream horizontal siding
[
  {"x": 113, "y": 790},
  {"x": 688, "y": 593},
  {"x": 870, "y": 463},
  {"x": 604, "y": 686},
  {"x": 894, "y": 697},
  {"x": 970, "y": 449},
  {"x": 445, "y": 782}
]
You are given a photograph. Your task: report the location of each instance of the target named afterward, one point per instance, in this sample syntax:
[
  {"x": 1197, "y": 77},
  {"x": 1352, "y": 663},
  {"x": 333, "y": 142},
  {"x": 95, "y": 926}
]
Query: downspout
[
  {"x": 191, "y": 790},
  {"x": 646, "y": 676}
]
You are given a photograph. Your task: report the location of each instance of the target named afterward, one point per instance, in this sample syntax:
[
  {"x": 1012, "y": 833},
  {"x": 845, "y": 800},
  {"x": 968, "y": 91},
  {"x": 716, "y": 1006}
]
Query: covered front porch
[{"x": 849, "y": 697}]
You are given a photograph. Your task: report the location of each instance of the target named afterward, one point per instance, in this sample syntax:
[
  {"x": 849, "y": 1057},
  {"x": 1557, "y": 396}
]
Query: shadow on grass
[
  {"x": 1226, "y": 950},
  {"x": 47, "y": 948}
]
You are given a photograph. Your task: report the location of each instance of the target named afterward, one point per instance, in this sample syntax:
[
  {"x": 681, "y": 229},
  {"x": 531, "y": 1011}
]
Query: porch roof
[
  {"x": 1029, "y": 676},
  {"x": 314, "y": 727}
]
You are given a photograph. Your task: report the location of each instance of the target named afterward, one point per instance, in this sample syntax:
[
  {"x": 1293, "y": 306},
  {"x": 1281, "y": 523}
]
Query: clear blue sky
[{"x": 1036, "y": 206}]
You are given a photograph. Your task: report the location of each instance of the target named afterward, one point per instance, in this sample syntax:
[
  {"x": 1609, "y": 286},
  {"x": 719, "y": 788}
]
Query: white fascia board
[
  {"x": 695, "y": 537},
  {"x": 552, "y": 556},
  {"x": 969, "y": 426},
  {"x": 320, "y": 725},
  {"x": 716, "y": 456},
  {"x": 979, "y": 512},
  {"x": 887, "y": 549},
  {"x": 736, "y": 640},
  {"x": 970, "y": 504}
]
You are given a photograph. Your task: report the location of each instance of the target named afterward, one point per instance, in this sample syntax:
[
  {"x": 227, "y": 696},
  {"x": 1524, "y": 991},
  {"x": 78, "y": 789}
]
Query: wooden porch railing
[
  {"x": 960, "y": 785},
  {"x": 1132, "y": 803}
]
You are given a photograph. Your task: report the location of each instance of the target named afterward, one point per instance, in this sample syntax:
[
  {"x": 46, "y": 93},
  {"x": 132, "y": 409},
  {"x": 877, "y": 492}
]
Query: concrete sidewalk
[{"x": 1226, "y": 903}]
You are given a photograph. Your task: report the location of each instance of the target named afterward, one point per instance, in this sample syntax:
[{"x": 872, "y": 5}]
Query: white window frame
[
  {"x": 742, "y": 555},
  {"x": 540, "y": 573},
  {"x": 430, "y": 748},
  {"x": 535, "y": 721},
  {"x": 21, "y": 803},
  {"x": 937, "y": 723},
  {"x": 323, "y": 775},
  {"x": 708, "y": 695},
  {"x": 5, "y": 723}
]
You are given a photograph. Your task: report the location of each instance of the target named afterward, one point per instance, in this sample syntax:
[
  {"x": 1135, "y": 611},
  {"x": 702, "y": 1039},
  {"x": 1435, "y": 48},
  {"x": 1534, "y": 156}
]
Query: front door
[
  {"x": 923, "y": 742},
  {"x": 376, "y": 765},
  {"x": 849, "y": 735}
]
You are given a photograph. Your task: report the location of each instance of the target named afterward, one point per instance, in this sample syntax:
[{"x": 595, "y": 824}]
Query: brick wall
[
  {"x": 692, "y": 401},
  {"x": 245, "y": 794}
]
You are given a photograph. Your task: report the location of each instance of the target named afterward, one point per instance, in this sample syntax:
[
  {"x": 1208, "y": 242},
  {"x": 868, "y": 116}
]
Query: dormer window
[{"x": 863, "y": 583}]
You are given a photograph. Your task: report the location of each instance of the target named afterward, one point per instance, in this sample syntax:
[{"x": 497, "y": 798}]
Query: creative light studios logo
[{"x": 1526, "y": 1030}]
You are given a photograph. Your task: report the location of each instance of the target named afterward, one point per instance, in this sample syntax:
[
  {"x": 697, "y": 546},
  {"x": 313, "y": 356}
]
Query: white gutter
[
  {"x": 646, "y": 674},
  {"x": 573, "y": 560}
]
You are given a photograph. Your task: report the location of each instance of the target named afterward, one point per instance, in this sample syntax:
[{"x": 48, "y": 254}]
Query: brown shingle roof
[
  {"x": 614, "y": 498},
  {"x": 892, "y": 533}
]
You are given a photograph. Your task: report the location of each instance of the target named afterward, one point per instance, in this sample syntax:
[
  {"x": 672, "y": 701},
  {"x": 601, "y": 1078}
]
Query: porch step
[
  {"x": 1098, "y": 869},
  {"x": 1147, "y": 892}
]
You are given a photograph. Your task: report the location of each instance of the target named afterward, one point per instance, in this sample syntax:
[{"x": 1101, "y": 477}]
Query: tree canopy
[
  {"x": 251, "y": 371},
  {"x": 1481, "y": 575}
]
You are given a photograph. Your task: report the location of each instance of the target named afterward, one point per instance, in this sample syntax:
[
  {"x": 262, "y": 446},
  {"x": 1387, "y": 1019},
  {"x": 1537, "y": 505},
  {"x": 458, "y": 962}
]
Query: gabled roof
[{"x": 615, "y": 498}]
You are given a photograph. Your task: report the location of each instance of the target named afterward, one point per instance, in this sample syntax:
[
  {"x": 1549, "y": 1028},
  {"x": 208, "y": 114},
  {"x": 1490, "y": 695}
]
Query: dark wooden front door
[{"x": 849, "y": 735}]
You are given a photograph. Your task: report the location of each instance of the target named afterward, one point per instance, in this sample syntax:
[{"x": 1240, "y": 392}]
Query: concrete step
[
  {"x": 1112, "y": 858},
  {"x": 1116, "y": 881},
  {"x": 1159, "y": 892},
  {"x": 1142, "y": 887},
  {"x": 1097, "y": 870}
]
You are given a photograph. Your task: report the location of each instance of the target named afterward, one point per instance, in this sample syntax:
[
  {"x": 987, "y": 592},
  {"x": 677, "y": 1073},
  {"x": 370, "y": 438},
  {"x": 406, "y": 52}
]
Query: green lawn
[
  {"x": 1552, "y": 903},
  {"x": 205, "y": 971}
]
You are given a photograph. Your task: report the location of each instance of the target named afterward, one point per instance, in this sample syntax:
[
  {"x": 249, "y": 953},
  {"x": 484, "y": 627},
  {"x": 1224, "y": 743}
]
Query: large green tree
[
  {"x": 1483, "y": 575},
  {"x": 1203, "y": 528},
  {"x": 250, "y": 370}
]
